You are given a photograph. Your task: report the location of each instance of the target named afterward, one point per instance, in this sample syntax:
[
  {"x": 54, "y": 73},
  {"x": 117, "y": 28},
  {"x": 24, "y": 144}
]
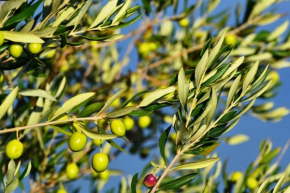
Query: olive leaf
[
  {"x": 71, "y": 103},
  {"x": 156, "y": 95},
  {"x": 202, "y": 163},
  {"x": 7, "y": 103},
  {"x": 15, "y": 36}
]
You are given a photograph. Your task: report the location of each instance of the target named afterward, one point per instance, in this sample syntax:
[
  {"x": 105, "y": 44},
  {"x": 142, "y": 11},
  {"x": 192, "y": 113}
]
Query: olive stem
[{"x": 17, "y": 129}]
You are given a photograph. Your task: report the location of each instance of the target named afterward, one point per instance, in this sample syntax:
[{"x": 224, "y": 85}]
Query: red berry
[{"x": 150, "y": 180}]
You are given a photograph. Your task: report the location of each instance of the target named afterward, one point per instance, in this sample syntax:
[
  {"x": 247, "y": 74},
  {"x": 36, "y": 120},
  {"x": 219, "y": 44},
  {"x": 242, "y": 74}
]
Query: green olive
[
  {"x": 35, "y": 48},
  {"x": 77, "y": 141},
  {"x": 14, "y": 149},
  {"x": 1, "y": 38},
  {"x": 100, "y": 162},
  {"x": 118, "y": 128},
  {"x": 72, "y": 171},
  {"x": 16, "y": 50}
]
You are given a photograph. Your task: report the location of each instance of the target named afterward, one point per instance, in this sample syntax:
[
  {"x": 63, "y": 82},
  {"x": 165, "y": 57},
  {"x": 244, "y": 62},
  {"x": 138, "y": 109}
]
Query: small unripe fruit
[
  {"x": 172, "y": 137},
  {"x": 183, "y": 22},
  {"x": 14, "y": 149},
  {"x": 236, "y": 176},
  {"x": 16, "y": 50},
  {"x": 35, "y": 48},
  {"x": 50, "y": 54},
  {"x": 100, "y": 162},
  {"x": 144, "y": 122},
  {"x": 77, "y": 141},
  {"x": 72, "y": 171},
  {"x": 274, "y": 76},
  {"x": 153, "y": 46},
  {"x": 118, "y": 128},
  {"x": 105, "y": 175},
  {"x": 116, "y": 102},
  {"x": 252, "y": 183},
  {"x": 144, "y": 153},
  {"x": 129, "y": 123},
  {"x": 150, "y": 180},
  {"x": 144, "y": 49},
  {"x": 98, "y": 142},
  {"x": 1, "y": 38},
  {"x": 61, "y": 191},
  {"x": 230, "y": 39}
]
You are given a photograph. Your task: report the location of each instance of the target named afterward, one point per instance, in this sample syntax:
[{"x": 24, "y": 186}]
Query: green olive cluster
[{"x": 16, "y": 49}]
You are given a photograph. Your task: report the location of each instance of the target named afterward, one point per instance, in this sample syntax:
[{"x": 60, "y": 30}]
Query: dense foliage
[{"x": 69, "y": 87}]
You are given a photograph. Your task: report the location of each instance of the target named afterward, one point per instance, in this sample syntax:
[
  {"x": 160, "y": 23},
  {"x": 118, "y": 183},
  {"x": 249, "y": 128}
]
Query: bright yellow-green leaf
[
  {"x": 8, "y": 102},
  {"x": 156, "y": 95},
  {"x": 237, "y": 139},
  {"x": 71, "y": 103},
  {"x": 196, "y": 165},
  {"x": 21, "y": 37}
]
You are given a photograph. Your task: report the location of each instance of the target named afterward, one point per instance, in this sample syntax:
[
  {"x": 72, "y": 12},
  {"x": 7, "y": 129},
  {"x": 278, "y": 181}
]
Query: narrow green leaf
[
  {"x": 233, "y": 91},
  {"x": 122, "y": 11},
  {"x": 233, "y": 67},
  {"x": 250, "y": 76},
  {"x": 259, "y": 92},
  {"x": 37, "y": 93},
  {"x": 216, "y": 48},
  {"x": 114, "y": 37},
  {"x": 63, "y": 16},
  {"x": 133, "y": 97},
  {"x": 45, "y": 31},
  {"x": 280, "y": 182},
  {"x": 153, "y": 96},
  {"x": 183, "y": 88},
  {"x": 134, "y": 183},
  {"x": 140, "y": 113},
  {"x": 259, "y": 81},
  {"x": 8, "y": 102},
  {"x": 90, "y": 109},
  {"x": 214, "y": 102},
  {"x": 203, "y": 163},
  {"x": 162, "y": 142},
  {"x": 71, "y": 103},
  {"x": 205, "y": 47},
  {"x": 111, "y": 142},
  {"x": 177, "y": 183},
  {"x": 61, "y": 130},
  {"x": 15, "y": 36},
  {"x": 82, "y": 12},
  {"x": 278, "y": 31},
  {"x": 24, "y": 14},
  {"x": 236, "y": 139},
  {"x": 120, "y": 112},
  {"x": 111, "y": 100},
  {"x": 12, "y": 186},
  {"x": 263, "y": 186},
  {"x": 10, "y": 171},
  {"x": 125, "y": 24},
  {"x": 244, "y": 110},
  {"x": 201, "y": 68},
  {"x": 26, "y": 171},
  {"x": 28, "y": 26},
  {"x": 17, "y": 168},
  {"x": 105, "y": 12},
  {"x": 202, "y": 116},
  {"x": 7, "y": 7},
  {"x": 97, "y": 135}
]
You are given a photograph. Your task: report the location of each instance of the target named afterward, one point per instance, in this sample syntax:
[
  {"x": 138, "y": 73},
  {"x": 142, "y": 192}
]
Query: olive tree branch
[{"x": 10, "y": 130}]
